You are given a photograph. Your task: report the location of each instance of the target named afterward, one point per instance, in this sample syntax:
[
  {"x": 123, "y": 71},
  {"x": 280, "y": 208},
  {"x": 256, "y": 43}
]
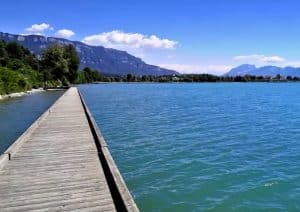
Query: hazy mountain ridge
[
  {"x": 108, "y": 61},
  {"x": 247, "y": 69}
]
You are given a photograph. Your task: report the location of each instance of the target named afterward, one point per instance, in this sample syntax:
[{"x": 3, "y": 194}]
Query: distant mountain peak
[
  {"x": 108, "y": 61},
  {"x": 247, "y": 69},
  {"x": 241, "y": 70},
  {"x": 247, "y": 66}
]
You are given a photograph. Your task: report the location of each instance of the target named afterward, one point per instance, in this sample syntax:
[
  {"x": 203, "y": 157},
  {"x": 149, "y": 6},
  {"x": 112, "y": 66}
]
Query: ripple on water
[{"x": 191, "y": 147}]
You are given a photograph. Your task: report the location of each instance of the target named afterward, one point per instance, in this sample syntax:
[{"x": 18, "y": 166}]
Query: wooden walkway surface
[{"x": 57, "y": 167}]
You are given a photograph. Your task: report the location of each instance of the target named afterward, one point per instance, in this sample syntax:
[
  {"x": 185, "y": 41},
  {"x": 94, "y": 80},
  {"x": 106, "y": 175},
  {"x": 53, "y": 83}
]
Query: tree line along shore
[
  {"x": 197, "y": 78},
  {"x": 58, "y": 65}
]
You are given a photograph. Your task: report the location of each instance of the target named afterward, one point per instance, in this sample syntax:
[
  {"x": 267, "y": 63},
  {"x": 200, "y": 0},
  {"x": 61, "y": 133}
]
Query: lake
[
  {"x": 209, "y": 146},
  {"x": 17, "y": 114}
]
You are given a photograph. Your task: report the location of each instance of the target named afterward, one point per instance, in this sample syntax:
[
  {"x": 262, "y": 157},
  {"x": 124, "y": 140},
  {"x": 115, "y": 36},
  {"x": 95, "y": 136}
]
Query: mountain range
[
  {"x": 115, "y": 62},
  {"x": 247, "y": 69},
  {"x": 106, "y": 60}
]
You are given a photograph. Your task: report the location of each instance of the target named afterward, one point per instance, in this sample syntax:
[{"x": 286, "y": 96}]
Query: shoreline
[
  {"x": 195, "y": 82},
  {"x": 19, "y": 94}
]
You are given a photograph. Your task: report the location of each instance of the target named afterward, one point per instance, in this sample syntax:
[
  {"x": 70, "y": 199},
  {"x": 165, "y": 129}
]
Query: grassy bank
[{"x": 12, "y": 81}]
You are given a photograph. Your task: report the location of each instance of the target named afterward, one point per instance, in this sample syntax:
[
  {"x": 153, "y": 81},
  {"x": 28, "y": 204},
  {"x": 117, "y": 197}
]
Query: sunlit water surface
[
  {"x": 210, "y": 146},
  {"x": 17, "y": 114}
]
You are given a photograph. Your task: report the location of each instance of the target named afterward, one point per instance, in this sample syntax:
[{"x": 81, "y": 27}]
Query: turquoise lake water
[
  {"x": 193, "y": 147},
  {"x": 17, "y": 114}
]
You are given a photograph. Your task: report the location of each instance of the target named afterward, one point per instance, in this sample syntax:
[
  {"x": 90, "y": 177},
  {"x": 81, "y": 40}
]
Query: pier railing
[{"x": 120, "y": 193}]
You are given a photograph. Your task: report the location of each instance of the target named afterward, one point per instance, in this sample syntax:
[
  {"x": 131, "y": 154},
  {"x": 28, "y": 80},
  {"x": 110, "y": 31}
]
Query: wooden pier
[{"x": 62, "y": 163}]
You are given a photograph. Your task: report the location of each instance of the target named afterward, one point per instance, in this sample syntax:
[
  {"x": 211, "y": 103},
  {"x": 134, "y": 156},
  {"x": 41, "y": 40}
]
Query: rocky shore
[{"x": 12, "y": 95}]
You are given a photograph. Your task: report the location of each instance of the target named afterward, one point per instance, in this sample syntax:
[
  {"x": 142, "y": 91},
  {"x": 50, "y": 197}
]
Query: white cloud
[
  {"x": 292, "y": 63},
  {"x": 38, "y": 29},
  {"x": 198, "y": 69},
  {"x": 258, "y": 58},
  {"x": 122, "y": 40},
  {"x": 64, "y": 33}
]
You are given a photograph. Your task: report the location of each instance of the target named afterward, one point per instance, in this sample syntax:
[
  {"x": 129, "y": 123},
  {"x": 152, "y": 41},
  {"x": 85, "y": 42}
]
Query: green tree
[
  {"x": 14, "y": 50},
  {"x": 73, "y": 62},
  {"x": 88, "y": 75},
  {"x": 55, "y": 65},
  {"x": 3, "y": 54},
  {"x": 278, "y": 77},
  {"x": 87, "y": 72},
  {"x": 17, "y": 72},
  {"x": 60, "y": 63},
  {"x": 129, "y": 78}
]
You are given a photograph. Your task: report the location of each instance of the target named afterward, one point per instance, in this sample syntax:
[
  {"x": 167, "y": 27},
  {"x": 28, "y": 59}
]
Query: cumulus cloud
[
  {"x": 198, "y": 69},
  {"x": 38, "y": 29},
  {"x": 122, "y": 40},
  {"x": 259, "y": 58},
  {"x": 292, "y": 63},
  {"x": 64, "y": 33}
]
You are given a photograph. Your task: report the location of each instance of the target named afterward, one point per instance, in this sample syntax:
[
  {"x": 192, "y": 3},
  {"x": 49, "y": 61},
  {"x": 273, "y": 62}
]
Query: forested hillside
[{"x": 20, "y": 70}]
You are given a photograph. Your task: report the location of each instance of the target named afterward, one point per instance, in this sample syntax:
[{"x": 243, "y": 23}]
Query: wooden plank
[
  {"x": 56, "y": 166},
  {"x": 116, "y": 181},
  {"x": 3, "y": 160}
]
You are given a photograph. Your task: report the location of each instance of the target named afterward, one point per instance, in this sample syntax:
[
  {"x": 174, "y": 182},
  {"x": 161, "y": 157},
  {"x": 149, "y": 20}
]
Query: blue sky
[{"x": 190, "y": 36}]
